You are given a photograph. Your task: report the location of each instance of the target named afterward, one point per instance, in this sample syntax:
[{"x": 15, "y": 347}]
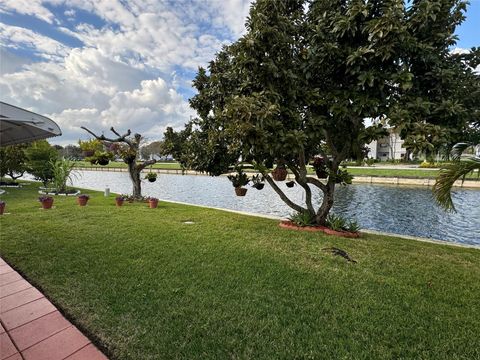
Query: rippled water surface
[{"x": 395, "y": 209}]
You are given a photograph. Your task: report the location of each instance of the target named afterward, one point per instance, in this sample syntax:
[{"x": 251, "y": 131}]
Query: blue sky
[{"x": 129, "y": 64}]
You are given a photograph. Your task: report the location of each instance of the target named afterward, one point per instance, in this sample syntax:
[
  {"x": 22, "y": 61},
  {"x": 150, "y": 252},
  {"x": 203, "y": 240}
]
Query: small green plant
[
  {"x": 302, "y": 219},
  {"x": 339, "y": 223},
  {"x": 353, "y": 226},
  {"x": 336, "y": 222},
  {"x": 62, "y": 171},
  {"x": 239, "y": 179}
]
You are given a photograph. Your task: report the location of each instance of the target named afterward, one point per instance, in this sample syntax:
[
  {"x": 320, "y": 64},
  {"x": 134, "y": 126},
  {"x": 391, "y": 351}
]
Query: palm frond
[
  {"x": 447, "y": 177},
  {"x": 458, "y": 149}
]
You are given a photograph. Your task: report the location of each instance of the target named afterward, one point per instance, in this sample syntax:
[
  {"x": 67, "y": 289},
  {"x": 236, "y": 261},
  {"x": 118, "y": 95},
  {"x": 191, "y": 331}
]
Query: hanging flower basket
[
  {"x": 279, "y": 173},
  {"x": 290, "y": 184},
  {"x": 240, "y": 191},
  {"x": 151, "y": 176},
  {"x": 103, "y": 162}
]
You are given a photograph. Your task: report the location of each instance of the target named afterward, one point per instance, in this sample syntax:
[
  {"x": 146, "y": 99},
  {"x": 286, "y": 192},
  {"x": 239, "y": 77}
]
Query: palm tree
[{"x": 452, "y": 172}]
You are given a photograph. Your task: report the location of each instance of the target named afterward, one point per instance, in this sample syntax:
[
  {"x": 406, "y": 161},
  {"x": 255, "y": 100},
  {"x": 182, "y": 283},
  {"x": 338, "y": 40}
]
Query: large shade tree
[{"x": 304, "y": 78}]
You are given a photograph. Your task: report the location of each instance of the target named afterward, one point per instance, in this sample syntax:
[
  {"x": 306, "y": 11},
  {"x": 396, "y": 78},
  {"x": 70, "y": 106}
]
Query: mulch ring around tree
[{"x": 291, "y": 226}]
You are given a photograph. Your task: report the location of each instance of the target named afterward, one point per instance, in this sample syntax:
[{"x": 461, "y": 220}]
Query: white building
[{"x": 387, "y": 148}]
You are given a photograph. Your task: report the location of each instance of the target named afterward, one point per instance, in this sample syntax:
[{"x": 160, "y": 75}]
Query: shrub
[{"x": 302, "y": 219}]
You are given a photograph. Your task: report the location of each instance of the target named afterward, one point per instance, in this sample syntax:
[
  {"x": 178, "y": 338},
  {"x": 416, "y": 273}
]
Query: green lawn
[{"x": 144, "y": 285}]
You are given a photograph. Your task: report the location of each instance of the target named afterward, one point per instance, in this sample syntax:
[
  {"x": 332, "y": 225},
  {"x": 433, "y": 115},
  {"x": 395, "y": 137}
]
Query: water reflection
[{"x": 397, "y": 209}]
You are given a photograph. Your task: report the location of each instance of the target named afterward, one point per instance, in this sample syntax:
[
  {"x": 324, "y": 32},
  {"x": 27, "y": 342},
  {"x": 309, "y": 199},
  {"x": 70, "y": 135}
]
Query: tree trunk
[
  {"x": 327, "y": 203},
  {"x": 135, "y": 177}
]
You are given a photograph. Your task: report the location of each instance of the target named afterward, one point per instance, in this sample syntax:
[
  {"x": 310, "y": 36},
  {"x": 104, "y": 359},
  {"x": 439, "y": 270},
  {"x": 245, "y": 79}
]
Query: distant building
[{"x": 387, "y": 148}]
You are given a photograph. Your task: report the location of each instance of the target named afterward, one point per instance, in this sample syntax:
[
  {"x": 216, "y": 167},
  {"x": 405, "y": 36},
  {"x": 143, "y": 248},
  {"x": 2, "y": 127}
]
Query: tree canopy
[{"x": 305, "y": 76}]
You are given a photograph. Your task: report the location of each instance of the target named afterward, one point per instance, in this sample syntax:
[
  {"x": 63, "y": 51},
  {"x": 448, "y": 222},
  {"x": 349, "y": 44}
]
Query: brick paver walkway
[{"x": 31, "y": 328}]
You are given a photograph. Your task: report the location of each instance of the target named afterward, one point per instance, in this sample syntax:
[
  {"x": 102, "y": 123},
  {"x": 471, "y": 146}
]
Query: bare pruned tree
[{"x": 128, "y": 151}]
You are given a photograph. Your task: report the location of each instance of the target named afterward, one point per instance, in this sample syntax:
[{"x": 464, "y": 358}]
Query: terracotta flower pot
[
  {"x": 82, "y": 201},
  {"x": 119, "y": 202},
  {"x": 240, "y": 191},
  {"x": 153, "y": 203},
  {"x": 279, "y": 174},
  {"x": 2, "y": 208},
  {"x": 47, "y": 204}
]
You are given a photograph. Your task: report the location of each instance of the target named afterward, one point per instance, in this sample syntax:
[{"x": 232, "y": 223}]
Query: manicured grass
[{"x": 145, "y": 285}]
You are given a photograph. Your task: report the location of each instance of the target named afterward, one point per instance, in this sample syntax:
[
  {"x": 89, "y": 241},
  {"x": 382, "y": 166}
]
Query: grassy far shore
[
  {"x": 367, "y": 171},
  {"x": 144, "y": 285}
]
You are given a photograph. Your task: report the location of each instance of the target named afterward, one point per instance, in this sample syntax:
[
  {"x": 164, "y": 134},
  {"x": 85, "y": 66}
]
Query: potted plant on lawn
[
  {"x": 239, "y": 180},
  {"x": 46, "y": 201},
  {"x": 151, "y": 176},
  {"x": 2, "y": 207},
  {"x": 82, "y": 199},
  {"x": 152, "y": 202},
  {"x": 258, "y": 182},
  {"x": 279, "y": 173},
  {"x": 119, "y": 200}
]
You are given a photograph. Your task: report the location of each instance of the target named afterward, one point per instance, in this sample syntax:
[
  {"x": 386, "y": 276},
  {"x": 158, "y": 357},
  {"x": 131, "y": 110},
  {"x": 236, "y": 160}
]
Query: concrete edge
[{"x": 366, "y": 231}]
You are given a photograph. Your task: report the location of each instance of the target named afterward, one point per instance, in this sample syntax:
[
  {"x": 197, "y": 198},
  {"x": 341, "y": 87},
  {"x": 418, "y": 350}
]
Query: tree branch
[
  {"x": 317, "y": 183},
  {"x": 282, "y": 195},
  {"x": 121, "y": 138},
  {"x": 302, "y": 182},
  {"x": 144, "y": 164}
]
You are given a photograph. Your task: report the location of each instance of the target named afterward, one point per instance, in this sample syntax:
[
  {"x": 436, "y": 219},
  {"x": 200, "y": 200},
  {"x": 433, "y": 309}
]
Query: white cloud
[
  {"x": 20, "y": 38},
  {"x": 128, "y": 71},
  {"x": 27, "y": 7}
]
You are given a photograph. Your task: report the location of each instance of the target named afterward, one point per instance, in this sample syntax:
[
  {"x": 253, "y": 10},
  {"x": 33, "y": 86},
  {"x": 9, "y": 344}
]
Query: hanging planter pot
[
  {"x": 259, "y": 186},
  {"x": 103, "y": 161},
  {"x": 290, "y": 184},
  {"x": 240, "y": 191},
  {"x": 279, "y": 173},
  {"x": 151, "y": 176},
  {"x": 321, "y": 173}
]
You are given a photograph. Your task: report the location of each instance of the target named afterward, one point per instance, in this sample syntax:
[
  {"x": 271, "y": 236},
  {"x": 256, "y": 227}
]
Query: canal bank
[{"x": 357, "y": 179}]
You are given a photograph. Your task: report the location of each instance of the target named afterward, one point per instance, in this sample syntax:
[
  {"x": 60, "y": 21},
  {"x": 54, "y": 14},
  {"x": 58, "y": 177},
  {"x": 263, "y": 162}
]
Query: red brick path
[{"x": 31, "y": 328}]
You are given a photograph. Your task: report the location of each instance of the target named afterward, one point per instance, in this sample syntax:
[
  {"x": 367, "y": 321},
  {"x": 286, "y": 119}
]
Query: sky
[{"x": 127, "y": 64}]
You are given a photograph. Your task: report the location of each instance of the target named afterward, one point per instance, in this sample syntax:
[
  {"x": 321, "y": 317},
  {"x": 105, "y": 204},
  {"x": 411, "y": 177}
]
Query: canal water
[{"x": 394, "y": 209}]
